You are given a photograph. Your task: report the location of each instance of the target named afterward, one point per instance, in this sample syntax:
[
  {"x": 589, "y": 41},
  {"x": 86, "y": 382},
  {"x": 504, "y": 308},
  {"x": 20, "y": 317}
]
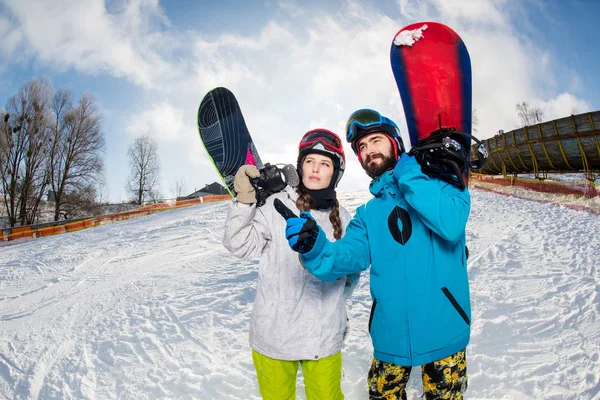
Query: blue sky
[{"x": 292, "y": 65}]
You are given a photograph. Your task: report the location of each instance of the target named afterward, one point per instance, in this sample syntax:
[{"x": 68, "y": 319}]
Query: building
[{"x": 212, "y": 189}]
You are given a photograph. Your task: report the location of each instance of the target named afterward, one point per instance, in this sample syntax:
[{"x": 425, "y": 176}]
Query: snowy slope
[{"x": 156, "y": 308}]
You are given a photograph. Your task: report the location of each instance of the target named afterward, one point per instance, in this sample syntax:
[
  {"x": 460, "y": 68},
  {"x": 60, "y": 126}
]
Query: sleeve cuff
[{"x": 317, "y": 248}]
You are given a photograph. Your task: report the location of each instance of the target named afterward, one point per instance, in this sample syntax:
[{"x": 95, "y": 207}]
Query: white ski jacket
[{"x": 295, "y": 315}]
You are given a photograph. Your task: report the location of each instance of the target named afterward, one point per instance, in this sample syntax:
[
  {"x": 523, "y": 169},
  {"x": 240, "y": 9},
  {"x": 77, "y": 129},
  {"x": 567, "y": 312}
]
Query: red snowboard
[{"x": 432, "y": 69}]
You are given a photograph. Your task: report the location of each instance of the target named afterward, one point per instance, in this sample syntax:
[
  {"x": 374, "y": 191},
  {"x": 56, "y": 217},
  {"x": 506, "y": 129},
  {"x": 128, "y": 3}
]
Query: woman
[{"x": 297, "y": 319}]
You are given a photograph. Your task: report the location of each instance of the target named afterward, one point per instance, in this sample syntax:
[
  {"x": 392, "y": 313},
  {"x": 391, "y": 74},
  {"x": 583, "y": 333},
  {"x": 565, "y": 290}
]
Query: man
[{"x": 412, "y": 234}]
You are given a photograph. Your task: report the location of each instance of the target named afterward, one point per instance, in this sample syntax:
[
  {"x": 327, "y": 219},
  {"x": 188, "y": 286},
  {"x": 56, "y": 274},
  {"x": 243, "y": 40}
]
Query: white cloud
[
  {"x": 11, "y": 37},
  {"x": 292, "y": 8},
  {"x": 481, "y": 12},
  {"x": 162, "y": 121},
  {"x": 562, "y": 105},
  {"x": 576, "y": 83},
  {"x": 84, "y": 36},
  {"x": 414, "y": 9}
]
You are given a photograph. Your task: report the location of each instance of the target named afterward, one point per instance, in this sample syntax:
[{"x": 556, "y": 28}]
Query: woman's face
[{"x": 317, "y": 171}]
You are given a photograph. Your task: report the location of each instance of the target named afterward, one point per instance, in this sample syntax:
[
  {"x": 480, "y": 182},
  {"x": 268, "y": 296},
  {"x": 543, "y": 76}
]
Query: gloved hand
[
  {"x": 405, "y": 163},
  {"x": 301, "y": 232},
  {"x": 241, "y": 183}
]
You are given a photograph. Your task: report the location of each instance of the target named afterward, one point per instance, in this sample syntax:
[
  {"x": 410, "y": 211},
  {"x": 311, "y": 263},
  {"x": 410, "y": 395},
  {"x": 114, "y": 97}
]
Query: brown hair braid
[
  {"x": 336, "y": 222},
  {"x": 303, "y": 204}
]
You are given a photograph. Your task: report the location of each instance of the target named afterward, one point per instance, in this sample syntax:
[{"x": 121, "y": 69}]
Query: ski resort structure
[{"x": 570, "y": 144}]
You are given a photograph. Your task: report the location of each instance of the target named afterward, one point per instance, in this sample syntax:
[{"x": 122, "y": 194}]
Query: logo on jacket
[{"x": 400, "y": 235}]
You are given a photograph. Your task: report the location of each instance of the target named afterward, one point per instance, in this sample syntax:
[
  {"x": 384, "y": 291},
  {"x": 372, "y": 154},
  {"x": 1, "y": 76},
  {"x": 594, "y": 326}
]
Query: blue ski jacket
[{"x": 412, "y": 234}]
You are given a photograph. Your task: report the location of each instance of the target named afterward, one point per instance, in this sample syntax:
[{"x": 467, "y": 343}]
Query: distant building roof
[{"x": 213, "y": 188}]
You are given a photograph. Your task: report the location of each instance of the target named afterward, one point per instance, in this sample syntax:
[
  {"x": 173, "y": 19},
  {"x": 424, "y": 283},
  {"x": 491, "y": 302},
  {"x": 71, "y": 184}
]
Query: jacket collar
[
  {"x": 384, "y": 184},
  {"x": 291, "y": 193}
]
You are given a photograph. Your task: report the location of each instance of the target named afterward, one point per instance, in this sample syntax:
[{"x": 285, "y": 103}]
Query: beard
[{"x": 375, "y": 170}]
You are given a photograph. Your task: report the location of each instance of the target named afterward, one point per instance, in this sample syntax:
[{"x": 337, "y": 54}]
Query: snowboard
[
  {"x": 432, "y": 69},
  {"x": 225, "y": 136}
]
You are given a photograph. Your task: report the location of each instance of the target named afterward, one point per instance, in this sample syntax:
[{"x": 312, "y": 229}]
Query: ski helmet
[
  {"x": 327, "y": 143},
  {"x": 365, "y": 121}
]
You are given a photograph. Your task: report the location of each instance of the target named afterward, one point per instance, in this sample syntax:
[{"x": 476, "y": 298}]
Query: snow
[
  {"x": 571, "y": 201},
  {"x": 409, "y": 37},
  {"x": 565, "y": 177},
  {"x": 155, "y": 307}
]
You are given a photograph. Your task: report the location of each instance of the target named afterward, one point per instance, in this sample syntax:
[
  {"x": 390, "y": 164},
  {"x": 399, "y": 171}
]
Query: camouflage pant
[{"x": 442, "y": 379}]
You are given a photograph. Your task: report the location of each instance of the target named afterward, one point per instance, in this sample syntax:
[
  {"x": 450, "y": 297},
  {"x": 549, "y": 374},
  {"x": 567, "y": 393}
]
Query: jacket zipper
[
  {"x": 456, "y": 306},
  {"x": 372, "y": 313},
  {"x": 408, "y": 336}
]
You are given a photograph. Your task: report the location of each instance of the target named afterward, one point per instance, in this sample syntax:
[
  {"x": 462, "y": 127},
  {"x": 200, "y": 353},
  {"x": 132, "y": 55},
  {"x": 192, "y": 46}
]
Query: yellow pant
[{"x": 277, "y": 378}]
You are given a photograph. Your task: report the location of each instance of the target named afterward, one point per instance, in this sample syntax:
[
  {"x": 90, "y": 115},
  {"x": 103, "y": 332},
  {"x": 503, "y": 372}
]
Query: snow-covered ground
[
  {"x": 155, "y": 307},
  {"x": 567, "y": 200},
  {"x": 565, "y": 177}
]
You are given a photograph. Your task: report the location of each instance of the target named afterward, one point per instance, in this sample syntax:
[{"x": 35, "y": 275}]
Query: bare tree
[
  {"x": 4, "y": 138},
  {"x": 154, "y": 196},
  {"x": 7, "y": 172},
  {"x": 143, "y": 179},
  {"x": 76, "y": 162},
  {"x": 178, "y": 188},
  {"x": 538, "y": 115},
  {"x": 24, "y": 161},
  {"x": 80, "y": 202},
  {"x": 474, "y": 121},
  {"x": 529, "y": 115},
  {"x": 102, "y": 190},
  {"x": 11, "y": 164},
  {"x": 523, "y": 113}
]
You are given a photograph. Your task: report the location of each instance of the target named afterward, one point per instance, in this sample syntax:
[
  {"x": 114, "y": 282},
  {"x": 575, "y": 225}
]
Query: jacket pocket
[
  {"x": 372, "y": 313},
  {"x": 456, "y": 306},
  {"x": 389, "y": 329}
]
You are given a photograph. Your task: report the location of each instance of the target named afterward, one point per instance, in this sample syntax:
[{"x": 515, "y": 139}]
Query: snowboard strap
[{"x": 444, "y": 155}]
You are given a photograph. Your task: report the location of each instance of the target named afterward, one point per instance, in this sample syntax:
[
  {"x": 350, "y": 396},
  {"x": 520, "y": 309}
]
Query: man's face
[{"x": 376, "y": 154}]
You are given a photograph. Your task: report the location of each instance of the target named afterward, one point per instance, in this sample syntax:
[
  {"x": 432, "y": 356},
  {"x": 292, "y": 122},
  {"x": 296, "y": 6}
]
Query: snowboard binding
[{"x": 444, "y": 155}]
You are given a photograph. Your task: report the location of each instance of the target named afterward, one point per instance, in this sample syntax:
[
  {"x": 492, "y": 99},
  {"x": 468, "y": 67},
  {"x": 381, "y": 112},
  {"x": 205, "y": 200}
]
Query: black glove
[{"x": 301, "y": 232}]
